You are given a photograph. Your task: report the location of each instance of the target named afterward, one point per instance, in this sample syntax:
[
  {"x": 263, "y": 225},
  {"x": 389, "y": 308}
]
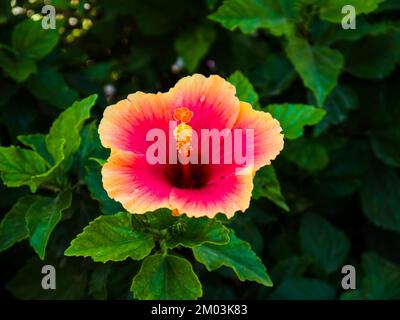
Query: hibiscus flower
[{"x": 196, "y": 103}]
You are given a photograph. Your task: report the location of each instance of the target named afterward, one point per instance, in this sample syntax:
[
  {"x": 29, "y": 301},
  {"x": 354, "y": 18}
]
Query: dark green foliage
[{"x": 331, "y": 198}]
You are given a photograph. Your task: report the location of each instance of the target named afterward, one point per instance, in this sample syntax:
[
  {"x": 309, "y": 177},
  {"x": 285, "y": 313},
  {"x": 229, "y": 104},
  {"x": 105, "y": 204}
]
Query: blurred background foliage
[{"x": 335, "y": 189}]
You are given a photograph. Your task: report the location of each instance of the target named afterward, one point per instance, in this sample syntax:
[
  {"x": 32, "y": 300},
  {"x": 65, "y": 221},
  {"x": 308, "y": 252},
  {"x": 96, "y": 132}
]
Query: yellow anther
[{"x": 183, "y": 136}]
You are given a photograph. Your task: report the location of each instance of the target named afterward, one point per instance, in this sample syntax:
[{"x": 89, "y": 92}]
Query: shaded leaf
[
  {"x": 325, "y": 243},
  {"x": 380, "y": 197},
  {"x": 193, "y": 45},
  {"x": 70, "y": 281},
  {"x": 378, "y": 61},
  {"x": 386, "y": 144},
  {"x": 13, "y": 226},
  {"x": 274, "y": 75},
  {"x": 30, "y": 39},
  {"x": 304, "y": 289},
  {"x": 37, "y": 142},
  {"x": 266, "y": 184},
  {"x": 98, "y": 282},
  {"x": 338, "y": 104},
  {"x": 318, "y": 66},
  {"x": 308, "y": 154},
  {"x": 49, "y": 85},
  {"x": 94, "y": 183}
]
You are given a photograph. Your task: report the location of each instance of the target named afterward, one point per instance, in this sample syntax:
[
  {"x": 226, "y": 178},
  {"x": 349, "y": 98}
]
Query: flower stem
[{"x": 163, "y": 246}]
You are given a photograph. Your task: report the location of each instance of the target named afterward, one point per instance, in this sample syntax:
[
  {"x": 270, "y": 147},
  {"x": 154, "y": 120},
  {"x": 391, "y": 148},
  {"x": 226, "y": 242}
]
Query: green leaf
[
  {"x": 193, "y": 45},
  {"x": 18, "y": 167},
  {"x": 304, "y": 289},
  {"x": 274, "y": 75},
  {"x": 99, "y": 161},
  {"x": 98, "y": 282},
  {"x": 238, "y": 255},
  {"x": 67, "y": 127},
  {"x": 319, "y": 67},
  {"x": 49, "y": 85},
  {"x": 328, "y": 33},
  {"x": 331, "y": 10},
  {"x": 266, "y": 184},
  {"x": 13, "y": 227},
  {"x": 94, "y": 183},
  {"x": 166, "y": 277},
  {"x": 343, "y": 175},
  {"x": 71, "y": 279},
  {"x": 160, "y": 219},
  {"x": 307, "y": 153},
  {"x": 378, "y": 61},
  {"x": 37, "y": 142},
  {"x": 244, "y": 88},
  {"x": 249, "y": 229},
  {"x": 31, "y": 40},
  {"x": 278, "y": 16},
  {"x": 55, "y": 173},
  {"x": 111, "y": 238},
  {"x": 380, "y": 198},
  {"x": 381, "y": 278},
  {"x": 5, "y": 11},
  {"x": 290, "y": 267},
  {"x": 325, "y": 243},
  {"x": 90, "y": 147},
  {"x": 16, "y": 66},
  {"x": 42, "y": 217},
  {"x": 294, "y": 117},
  {"x": 198, "y": 231},
  {"x": 385, "y": 144},
  {"x": 338, "y": 104}
]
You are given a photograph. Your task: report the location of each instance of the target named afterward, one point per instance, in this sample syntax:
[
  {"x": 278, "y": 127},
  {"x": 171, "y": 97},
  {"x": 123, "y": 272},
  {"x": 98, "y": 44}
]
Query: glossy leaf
[
  {"x": 244, "y": 88},
  {"x": 294, "y": 117},
  {"x": 166, "y": 277},
  {"x": 42, "y": 217},
  {"x": 198, "y": 231},
  {"x": 238, "y": 255},
  {"x": 37, "y": 142},
  {"x": 275, "y": 15},
  {"x": 111, "y": 238},
  {"x": 331, "y": 10},
  {"x": 67, "y": 127},
  {"x": 18, "y": 166}
]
